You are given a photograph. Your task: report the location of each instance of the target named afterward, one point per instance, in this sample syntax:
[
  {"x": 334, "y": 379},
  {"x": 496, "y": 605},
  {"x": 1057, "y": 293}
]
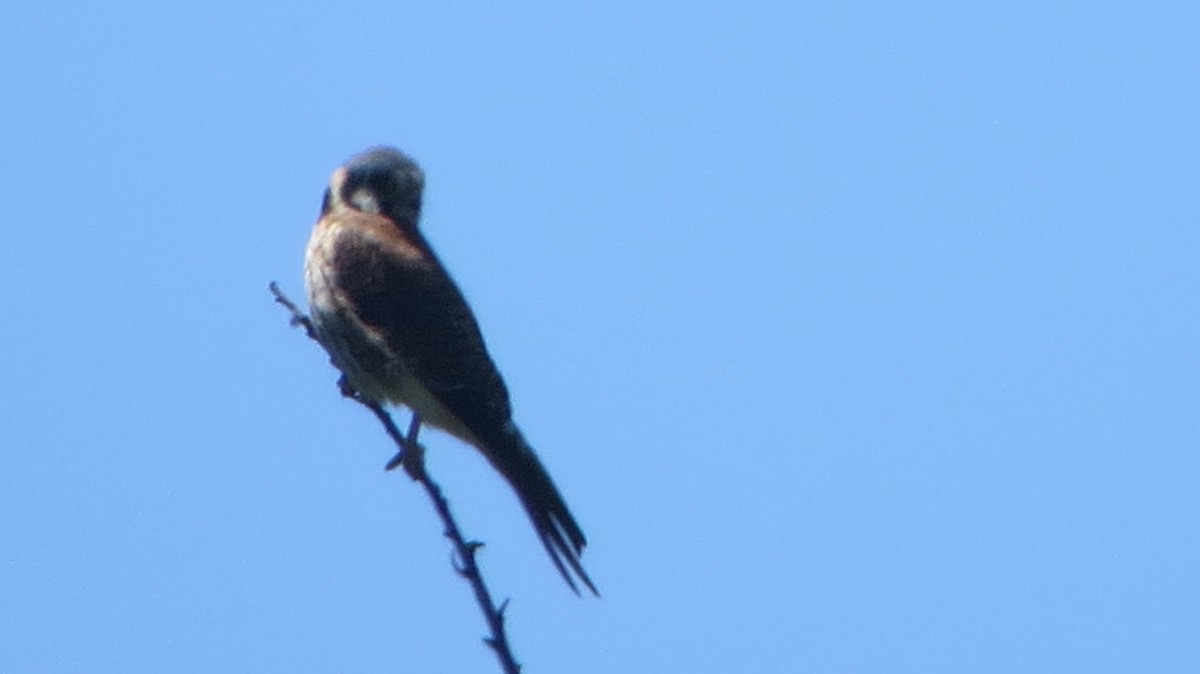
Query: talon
[{"x": 344, "y": 385}]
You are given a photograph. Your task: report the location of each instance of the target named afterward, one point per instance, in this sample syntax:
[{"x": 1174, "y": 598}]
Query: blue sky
[{"x": 860, "y": 337}]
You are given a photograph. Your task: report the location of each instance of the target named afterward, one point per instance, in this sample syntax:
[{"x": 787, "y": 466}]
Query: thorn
[{"x": 396, "y": 461}]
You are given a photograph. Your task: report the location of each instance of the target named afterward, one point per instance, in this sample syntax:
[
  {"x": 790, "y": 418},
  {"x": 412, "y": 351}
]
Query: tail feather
[{"x": 555, "y": 526}]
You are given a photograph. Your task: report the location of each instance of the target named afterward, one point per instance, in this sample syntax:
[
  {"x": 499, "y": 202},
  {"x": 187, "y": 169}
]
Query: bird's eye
[{"x": 364, "y": 200}]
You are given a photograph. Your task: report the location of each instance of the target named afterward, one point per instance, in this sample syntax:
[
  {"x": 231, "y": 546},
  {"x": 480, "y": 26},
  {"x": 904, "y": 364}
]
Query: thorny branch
[{"x": 411, "y": 456}]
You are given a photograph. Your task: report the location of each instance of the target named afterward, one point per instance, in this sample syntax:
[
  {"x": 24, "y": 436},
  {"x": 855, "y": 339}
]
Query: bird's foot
[
  {"x": 411, "y": 454},
  {"x": 344, "y": 386}
]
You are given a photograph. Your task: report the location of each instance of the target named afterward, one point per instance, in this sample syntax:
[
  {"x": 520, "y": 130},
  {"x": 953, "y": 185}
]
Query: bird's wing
[{"x": 397, "y": 286}]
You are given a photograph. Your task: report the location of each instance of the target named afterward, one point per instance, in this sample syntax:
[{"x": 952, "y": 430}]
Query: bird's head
[{"x": 381, "y": 181}]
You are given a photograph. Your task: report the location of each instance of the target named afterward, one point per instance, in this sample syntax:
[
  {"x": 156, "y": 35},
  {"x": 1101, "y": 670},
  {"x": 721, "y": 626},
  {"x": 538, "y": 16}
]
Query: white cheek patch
[{"x": 363, "y": 200}]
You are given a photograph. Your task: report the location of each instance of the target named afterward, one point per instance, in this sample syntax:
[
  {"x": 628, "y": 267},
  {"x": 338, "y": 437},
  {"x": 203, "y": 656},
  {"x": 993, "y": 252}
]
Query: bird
[{"x": 401, "y": 331}]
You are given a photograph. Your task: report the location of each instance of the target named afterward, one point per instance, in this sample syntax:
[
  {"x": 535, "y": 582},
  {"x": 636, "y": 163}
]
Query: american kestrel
[{"x": 400, "y": 330}]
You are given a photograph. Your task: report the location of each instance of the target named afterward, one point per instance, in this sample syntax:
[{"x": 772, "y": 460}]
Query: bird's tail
[{"x": 555, "y": 526}]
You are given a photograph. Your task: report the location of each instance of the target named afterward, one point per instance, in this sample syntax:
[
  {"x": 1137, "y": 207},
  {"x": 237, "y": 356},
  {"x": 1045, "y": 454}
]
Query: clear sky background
[{"x": 862, "y": 337}]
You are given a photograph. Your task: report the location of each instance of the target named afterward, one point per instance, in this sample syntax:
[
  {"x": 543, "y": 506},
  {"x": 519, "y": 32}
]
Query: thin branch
[
  {"x": 298, "y": 318},
  {"x": 411, "y": 456}
]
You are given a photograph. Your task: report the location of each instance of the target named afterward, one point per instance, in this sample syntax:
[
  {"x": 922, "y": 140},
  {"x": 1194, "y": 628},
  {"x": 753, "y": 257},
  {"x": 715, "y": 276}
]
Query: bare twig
[
  {"x": 298, "y": 318},
  {"x": 411, "y": 456}
]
